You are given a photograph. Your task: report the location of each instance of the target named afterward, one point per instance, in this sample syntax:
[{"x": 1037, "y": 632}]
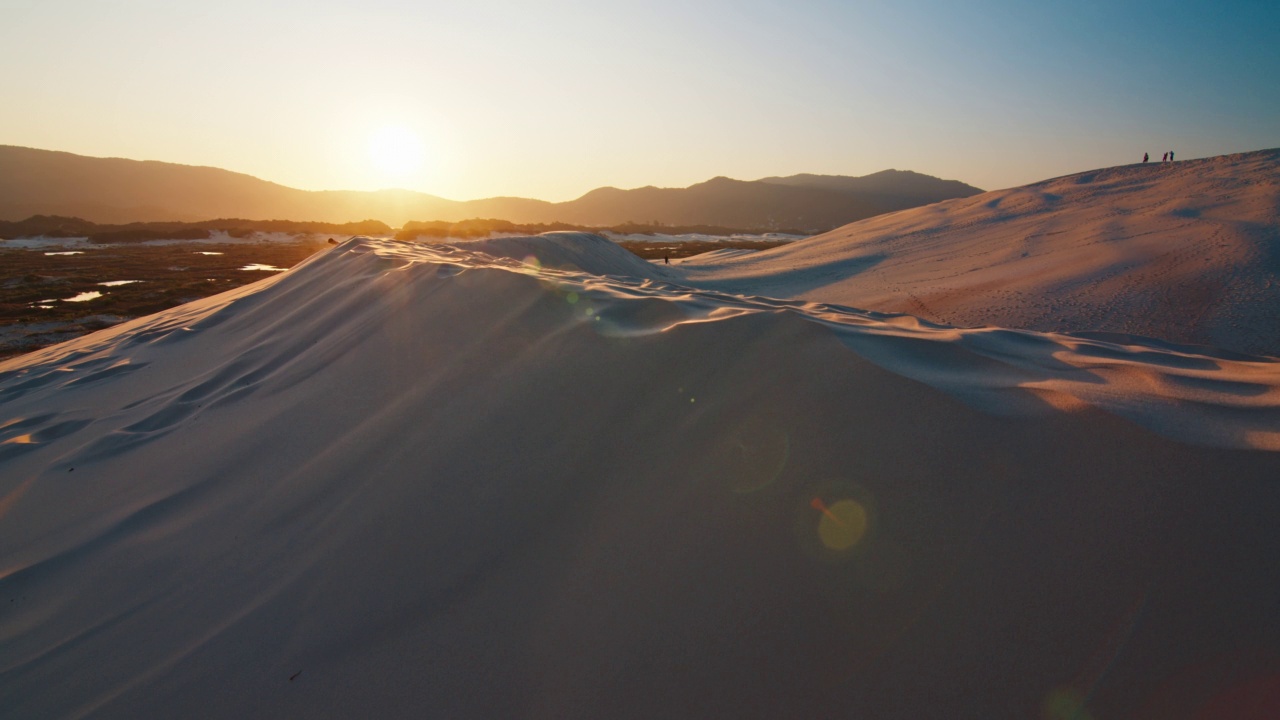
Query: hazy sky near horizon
[{"x": 555, "y": 98}]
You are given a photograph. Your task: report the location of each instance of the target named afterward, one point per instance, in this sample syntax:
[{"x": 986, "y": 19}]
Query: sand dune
[
  {"x": 1187, "y": 252},
  {"x": 576, "y": 251},
  {"x": 434, "y": 481}
]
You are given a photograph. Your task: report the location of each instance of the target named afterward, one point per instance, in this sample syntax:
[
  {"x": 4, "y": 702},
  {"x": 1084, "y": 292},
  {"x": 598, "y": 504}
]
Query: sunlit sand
[{"x": 1182, "y": 252}]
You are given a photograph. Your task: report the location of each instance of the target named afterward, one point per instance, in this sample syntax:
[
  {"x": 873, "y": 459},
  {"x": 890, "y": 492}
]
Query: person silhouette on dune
[{"x": 1144, "y": 157}]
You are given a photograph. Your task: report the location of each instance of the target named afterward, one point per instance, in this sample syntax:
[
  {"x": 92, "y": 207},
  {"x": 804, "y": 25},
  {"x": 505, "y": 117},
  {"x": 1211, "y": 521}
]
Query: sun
[{"x": 396, "y": 151}]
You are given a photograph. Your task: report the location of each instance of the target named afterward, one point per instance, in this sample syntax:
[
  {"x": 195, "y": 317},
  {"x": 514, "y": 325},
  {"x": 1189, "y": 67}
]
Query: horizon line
[{"x": 476, "y": 199}]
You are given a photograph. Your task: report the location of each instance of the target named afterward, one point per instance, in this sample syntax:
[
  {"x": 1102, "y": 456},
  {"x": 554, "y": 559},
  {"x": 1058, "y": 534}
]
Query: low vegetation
[
  {"x": 34, "y": 310},
  {"x": 65, "y": 227}
]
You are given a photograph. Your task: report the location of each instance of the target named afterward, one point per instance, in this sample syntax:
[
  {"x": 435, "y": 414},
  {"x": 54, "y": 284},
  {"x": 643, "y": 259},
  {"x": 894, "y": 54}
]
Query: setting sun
[{"x": 395, "y": 151}]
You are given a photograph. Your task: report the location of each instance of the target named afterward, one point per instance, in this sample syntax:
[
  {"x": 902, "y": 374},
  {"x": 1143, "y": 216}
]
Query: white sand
[
  {"x": 574, "y": 251},
  {"x": 422, "y": 481},
  {"x": 700, "y": 237},
  {"x": 1187, "y": 252}
]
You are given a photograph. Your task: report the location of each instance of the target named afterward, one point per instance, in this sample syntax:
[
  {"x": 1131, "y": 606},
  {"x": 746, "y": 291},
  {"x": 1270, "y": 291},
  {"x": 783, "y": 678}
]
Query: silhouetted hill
[
  {"x": 721, "y": 201},
  {"x": 115, "y": 190},
  {"x": 895, "y": 189}
]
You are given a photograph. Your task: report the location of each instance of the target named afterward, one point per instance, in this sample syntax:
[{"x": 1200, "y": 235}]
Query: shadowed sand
[{"x": 515, "y": 479}]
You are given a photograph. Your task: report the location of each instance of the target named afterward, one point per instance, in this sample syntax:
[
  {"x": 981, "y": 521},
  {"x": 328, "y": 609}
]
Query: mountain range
[{"x": 114, "y": 190}]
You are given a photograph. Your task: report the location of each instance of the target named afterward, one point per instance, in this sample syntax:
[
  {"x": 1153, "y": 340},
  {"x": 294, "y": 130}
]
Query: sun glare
[{"x": 395, "y": 151}]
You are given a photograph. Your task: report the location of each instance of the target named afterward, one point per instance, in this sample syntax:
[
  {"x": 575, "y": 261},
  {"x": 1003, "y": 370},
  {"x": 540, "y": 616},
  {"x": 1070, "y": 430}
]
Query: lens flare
[
  {"x": 842, "y": 525},
  {"x": 1065, "y": 704},
  {"x": 753, "y": 456},
  {"x": 836, "y": 521}
]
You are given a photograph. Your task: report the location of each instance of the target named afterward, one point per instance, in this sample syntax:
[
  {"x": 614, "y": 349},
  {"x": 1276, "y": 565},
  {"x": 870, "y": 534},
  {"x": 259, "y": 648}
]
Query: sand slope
[
  {"x": 1187, "y": 252},
  {"x": 574, "y": 251},
  {"x": 421, "y": 481}
]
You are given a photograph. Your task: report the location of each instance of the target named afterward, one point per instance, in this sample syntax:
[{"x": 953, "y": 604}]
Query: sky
[{"x": 551, "y": 99}]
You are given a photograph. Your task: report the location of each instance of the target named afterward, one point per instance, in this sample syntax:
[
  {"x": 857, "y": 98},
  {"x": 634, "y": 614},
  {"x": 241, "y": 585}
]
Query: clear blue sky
[{"x": 550, "y": 99}]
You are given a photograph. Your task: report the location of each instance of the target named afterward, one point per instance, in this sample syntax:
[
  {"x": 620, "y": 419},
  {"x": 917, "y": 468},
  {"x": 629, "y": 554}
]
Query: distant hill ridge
[{"x": 116, "y": 190}]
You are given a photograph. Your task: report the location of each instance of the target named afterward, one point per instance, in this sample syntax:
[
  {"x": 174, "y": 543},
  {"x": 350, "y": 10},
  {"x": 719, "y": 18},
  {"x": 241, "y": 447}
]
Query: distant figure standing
[
  {"x": 1164, "y": 158},
  {"x": 666, "y": 260},
  {"x": 1170, "y": 156},
  {"x": 1144, "y": 157}
]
